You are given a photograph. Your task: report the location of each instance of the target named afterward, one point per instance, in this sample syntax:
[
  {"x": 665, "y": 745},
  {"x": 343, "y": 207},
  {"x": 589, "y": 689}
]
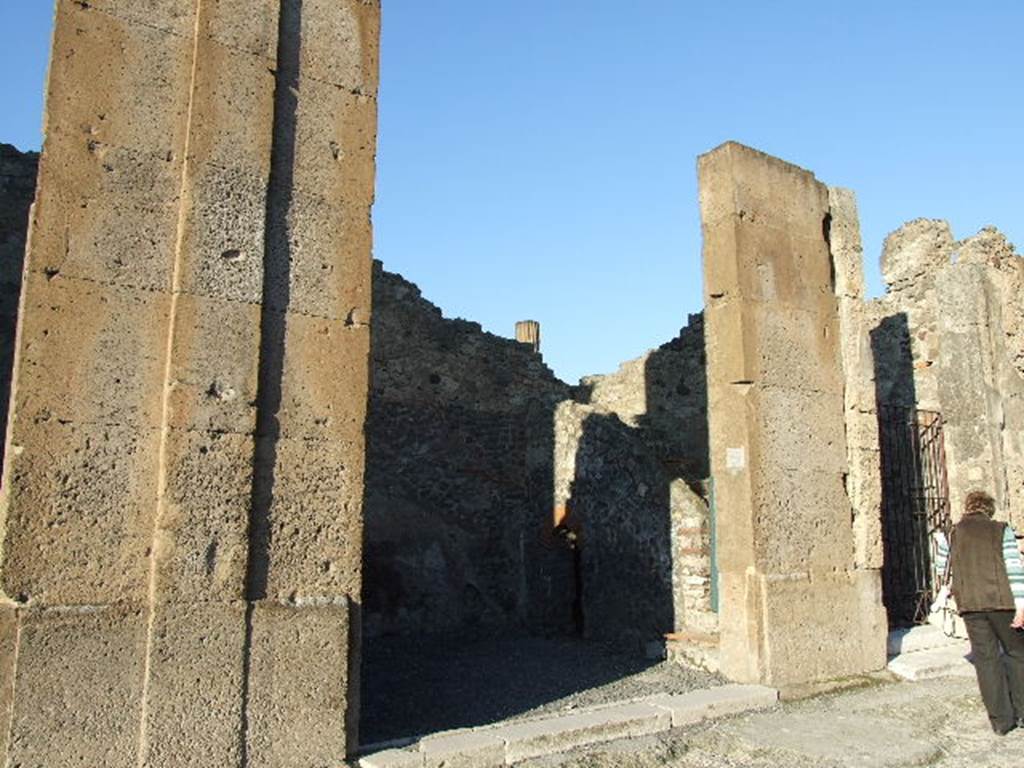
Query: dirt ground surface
[
  {"x": 415, "y": 686},
  {"x": 939, "y": 723}
]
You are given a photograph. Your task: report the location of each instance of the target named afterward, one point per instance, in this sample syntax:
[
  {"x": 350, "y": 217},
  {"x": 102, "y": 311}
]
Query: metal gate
[{"x": 915, "y": 504}]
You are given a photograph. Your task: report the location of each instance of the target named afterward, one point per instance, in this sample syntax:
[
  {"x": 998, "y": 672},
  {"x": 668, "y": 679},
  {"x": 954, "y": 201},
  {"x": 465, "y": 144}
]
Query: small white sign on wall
[{"x": 735, "y": 459}]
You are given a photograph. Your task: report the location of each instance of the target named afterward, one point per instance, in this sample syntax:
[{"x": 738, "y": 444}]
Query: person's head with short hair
[{"x": 979, "y": 503}]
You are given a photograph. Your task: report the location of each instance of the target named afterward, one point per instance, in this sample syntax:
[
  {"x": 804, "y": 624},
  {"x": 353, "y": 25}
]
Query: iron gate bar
[{"x": 915, "y": 504}]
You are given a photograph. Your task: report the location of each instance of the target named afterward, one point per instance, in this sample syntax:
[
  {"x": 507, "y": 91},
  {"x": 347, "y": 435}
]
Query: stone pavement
[
  {"x": 938, "y": 722},
  {"x": 882, "y": 723},
  {"x": 513, "y": 742}
]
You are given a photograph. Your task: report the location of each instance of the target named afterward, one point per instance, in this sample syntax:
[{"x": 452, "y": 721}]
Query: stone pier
[
  {"x": 181, "y": 517},
  {"x": 794, "y": 605}
]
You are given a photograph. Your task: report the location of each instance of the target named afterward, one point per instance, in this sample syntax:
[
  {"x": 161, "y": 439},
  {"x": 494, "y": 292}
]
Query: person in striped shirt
[{"x": 988, "y": 585}]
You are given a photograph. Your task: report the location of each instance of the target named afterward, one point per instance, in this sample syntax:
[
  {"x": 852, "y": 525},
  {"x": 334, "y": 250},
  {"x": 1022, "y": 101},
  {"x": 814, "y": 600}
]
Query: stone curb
[{"x": 509, "y": 743}]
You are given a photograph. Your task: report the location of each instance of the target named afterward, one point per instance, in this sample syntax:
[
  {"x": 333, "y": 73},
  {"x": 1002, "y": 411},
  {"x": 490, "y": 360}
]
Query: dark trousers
[{"x": 1000, "y": 676}]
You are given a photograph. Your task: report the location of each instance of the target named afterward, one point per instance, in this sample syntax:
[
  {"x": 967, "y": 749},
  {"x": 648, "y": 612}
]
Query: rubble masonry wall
[{"x": 459, "y": 527}]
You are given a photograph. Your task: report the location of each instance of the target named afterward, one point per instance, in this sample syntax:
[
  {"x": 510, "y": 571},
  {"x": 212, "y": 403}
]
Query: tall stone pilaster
[
  {"x": 793, "y": 605},
  {"x": 182, "y": 498}
]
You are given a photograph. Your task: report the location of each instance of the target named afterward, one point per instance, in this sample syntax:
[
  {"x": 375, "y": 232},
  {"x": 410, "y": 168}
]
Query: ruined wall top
[
  {"x": 418, "y": 355},
  {"x": 917, "y": 249}
]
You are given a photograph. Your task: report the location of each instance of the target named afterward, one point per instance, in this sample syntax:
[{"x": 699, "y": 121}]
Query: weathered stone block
[
  {"x": 195, "y": 666},
  {"x": 321, "y": 240},
  {"x": 823, "y": 626},
  {"x": 779, "y": 266},
  {"x": 119, "y": 213},
  {"x": 136, "y": 77},
  {"x": 335, "y": 142},
  {"x": 9, "y": 627},
  {"x": 558, "y": 734},
  {"x": 809, "y": 526},
  {"x": 775, "y": 345},
  {"x": 340, "y": 43},
  {"x": 690, "y": 708},
  {"x": 789, "y": 436},
  {"x": 468, "y": 749},
  {"x": 232, "y": 125},
  {"x": 201, "y": 541},
  {"x": 166, "y": 15},
  {"x": 315, "y": 535},
  {"x": 845, "y": 243},
  {"x": 245, "y": 25},
  {"x": 299, "y": 685},
  {"x": 78, "y": 688},
  {"x": 90, "y": 353},
  {"x": 319, "y": 407},
  {"x": 81, "y": 501},
  {"x": 743, "y": 182},
  {"x": 214, "y": 365},
  {"x": 223, "y": 250},
  {"x": 394, "y": 758}
]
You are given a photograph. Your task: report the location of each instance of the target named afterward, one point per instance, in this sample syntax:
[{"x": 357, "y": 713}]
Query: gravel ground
[
  {"x": 414, "y": 686},
  {"x": 937, "y": 723}
]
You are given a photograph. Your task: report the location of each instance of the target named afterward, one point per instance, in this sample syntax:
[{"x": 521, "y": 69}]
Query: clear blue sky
[{"x": 537, "y": 158}]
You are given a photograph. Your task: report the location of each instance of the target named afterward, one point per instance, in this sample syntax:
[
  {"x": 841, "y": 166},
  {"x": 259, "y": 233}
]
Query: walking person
[{"x": 988, "y": 586}]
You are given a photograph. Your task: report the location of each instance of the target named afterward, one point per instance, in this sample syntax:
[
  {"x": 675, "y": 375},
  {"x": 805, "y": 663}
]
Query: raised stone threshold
[
  {"x": 511, "y": 742},
  {"x": 924, "y": 652}
]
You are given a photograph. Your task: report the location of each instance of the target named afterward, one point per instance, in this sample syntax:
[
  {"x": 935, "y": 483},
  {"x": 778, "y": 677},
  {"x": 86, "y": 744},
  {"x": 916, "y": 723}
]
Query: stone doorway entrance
[{"x": 915, "y": 504}]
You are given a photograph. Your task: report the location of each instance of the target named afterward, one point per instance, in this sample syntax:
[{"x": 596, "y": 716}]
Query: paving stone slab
[
  {"x": 689, "y": 708},
  {"x": 558, "y": 734},
  {"x": 464, "y": 749},
  {"x": 393, "y": 758}
]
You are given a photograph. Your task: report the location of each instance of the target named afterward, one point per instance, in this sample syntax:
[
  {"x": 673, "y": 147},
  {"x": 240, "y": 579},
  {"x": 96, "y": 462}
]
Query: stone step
[
  {"x": 692, "y": 648},
  {"x": 933, "y": 662},
  {"x": 920, "y": 638},
  {"x": 508, "y": 743}
]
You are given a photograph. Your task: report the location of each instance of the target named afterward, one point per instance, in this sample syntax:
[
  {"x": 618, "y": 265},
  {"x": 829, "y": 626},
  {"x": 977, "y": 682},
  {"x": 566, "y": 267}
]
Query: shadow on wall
[
  {"x": 619, "y": 513},
  {"x": 676, "y": 422},
  {"x": 906, "y": 559},
  {"x": 458, "y": 488},
  {"x": 17, "y": 191}
]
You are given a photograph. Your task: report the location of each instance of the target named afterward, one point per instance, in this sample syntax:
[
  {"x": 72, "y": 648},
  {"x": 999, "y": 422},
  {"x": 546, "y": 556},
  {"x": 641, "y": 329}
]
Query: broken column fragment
[{"x": 528, "y": 332}]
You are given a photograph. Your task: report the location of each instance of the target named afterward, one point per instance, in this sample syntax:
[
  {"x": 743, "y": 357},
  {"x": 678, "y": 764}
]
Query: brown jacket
[{"x": 976, "y": 563}]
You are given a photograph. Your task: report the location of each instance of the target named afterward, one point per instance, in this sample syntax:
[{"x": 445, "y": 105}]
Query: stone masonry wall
[
  {"x": 661, "y": 400},
  {"x": 663, "y": 393},
  {"x": 789, "y": 574},
  {"x": 459, "y": 524},
  {"x": 181, "y": 518},
  {"x": 948, "y": 336},
  {"x": 499, "y": 498},
  {"x": 17, "y": 191},
  {"x": 641, "y": 534}
]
